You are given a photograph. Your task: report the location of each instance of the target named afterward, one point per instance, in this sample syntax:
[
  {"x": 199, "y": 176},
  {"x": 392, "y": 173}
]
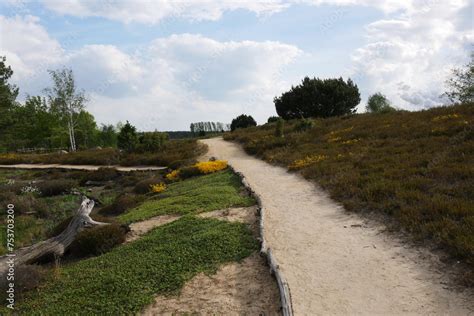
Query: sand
[
  {"x": 239, "y": 288},
  {"x": 81, "y": 167},
  {"x": 337, "y": 263}
]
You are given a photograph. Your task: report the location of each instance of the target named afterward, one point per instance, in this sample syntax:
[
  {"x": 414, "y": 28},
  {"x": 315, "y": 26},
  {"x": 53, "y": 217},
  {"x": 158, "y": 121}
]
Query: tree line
[
  {"x": 203, "y": 128},
  {"x": 59, "y": 120}
]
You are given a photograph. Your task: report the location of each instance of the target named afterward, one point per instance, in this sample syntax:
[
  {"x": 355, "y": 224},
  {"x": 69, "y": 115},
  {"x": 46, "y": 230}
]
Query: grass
[
  {"x": 415, "y": 167},
  {"x": 200, "y": 194},
  {"x": 127, "y": 278},
  {"x": 176, "y": 152}
]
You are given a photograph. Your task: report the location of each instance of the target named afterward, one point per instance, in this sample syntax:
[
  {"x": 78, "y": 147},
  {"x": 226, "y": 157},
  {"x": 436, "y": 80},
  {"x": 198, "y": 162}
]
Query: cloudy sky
[{"x": 163, "y": 64}]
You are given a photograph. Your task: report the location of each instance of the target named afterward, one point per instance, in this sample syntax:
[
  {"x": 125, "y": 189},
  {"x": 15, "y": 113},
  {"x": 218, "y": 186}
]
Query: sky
[{"x": 164, "y": 64}]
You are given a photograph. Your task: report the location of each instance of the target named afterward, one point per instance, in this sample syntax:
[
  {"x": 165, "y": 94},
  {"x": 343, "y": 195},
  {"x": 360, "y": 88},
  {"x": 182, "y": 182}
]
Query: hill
[{"x": 415, "y": 168}]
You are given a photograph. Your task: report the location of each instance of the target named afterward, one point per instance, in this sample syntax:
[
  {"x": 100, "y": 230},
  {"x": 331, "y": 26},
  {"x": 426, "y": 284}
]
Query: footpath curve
[{"x": 335, "y": 263}]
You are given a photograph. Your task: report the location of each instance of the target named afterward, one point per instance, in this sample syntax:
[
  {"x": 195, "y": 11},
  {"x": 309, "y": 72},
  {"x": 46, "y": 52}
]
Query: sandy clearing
[
  {"x": 235, "y": 289},
  {"x": 334, "y": 262},
  {"x": 81, "y": 167},
  {"x": 141, "y": 228},
  {"x": 244, "y": 288}
]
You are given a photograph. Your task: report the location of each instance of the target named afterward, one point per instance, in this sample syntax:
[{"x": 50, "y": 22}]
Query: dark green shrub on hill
[
  {"x": 242, "y": 121},
  {"x": 318, "y": 98}
]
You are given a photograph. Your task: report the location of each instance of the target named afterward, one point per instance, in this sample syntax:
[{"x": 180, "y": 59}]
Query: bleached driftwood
[{"x": 56, "y": 245}]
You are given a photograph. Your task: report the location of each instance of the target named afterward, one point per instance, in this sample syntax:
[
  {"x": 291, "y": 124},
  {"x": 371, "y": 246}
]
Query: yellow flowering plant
[
  {"x": 173, "y": 175},
  {"x": 308, "y": 160},
  {"x": 158, "y": 187},
  {"x": 211, "y": 166}
]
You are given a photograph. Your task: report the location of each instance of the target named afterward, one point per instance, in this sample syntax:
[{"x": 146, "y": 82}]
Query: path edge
[{"x": 283, "y": 287}]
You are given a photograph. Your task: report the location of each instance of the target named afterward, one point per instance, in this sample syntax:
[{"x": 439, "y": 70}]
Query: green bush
[
  {"x": 303, "y": 125},
  {"x": 279, "y": 128},
  {"x": 55, "y": 187},
  {"x": 24, "y": 204},
  {"x": 27, "y": 278},
  {"x": 143, "y": 186},
  {"x": 189, "y": 172},
  {"x": 101, "y": 174},
  {"x": 273, "y": 119},
  {"x": 242, "y": 121},
  {"x": 98, "y": 240},
  {"x": 121, "y": 204}
]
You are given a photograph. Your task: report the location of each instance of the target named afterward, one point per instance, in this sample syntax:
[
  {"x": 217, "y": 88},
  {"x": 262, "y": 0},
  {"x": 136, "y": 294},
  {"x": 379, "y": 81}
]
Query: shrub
[
  {"x": 279, "y": 128},
  {"x": 143, "y": 186},
  {"x": 27, "y": 278},
  {"x": 273, "y": 119},
  {"x": 173, "y": 175},
  {"x": 189, "y": 172},
  {"x": 318, "y": 98},
  {"x": 303, "y": 125},
  {"x": 98, "y": 240},
  {"x": 157, "y": 188},
  {"x": 242, "y": 121},
  {"x": 121, "y": 204},
  {"x": 55, "y": 187},
  {"x": 211, "y": 166},
  {"x": 378, "y": 103},
  {"x": 101, "y": 174},
  {"x": 25, "y": 204}
]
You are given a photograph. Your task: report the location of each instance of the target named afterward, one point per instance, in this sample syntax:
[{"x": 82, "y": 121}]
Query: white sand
[
  {"x": 334, "y": 268},
  {"x": 80, "y": 167},
  {"x": 238, "y": 288}
]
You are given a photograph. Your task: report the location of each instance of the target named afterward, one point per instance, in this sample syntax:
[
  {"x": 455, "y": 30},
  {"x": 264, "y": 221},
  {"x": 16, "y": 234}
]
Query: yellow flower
[
  {"x": 173, "y": 175},
  {"x": 211, "y": 166},
  {"x": 157, "y": 188},
  {"x": 350, "y": 141},
  {"x": 309, "y": 160},
  {"x": 445, "y": 117}
]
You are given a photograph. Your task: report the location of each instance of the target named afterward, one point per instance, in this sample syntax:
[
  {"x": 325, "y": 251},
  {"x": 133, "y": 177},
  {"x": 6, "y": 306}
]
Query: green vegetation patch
[
  {"x": 416, "y": 167},
  {"x": 205, "y": 193},
  {"x": 127, "y": 278}
]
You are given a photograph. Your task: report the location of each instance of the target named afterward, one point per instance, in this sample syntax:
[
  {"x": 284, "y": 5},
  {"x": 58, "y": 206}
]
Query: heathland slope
[
  {"x": 416, "y": 169},
  {"x": 333, "y": 262}
]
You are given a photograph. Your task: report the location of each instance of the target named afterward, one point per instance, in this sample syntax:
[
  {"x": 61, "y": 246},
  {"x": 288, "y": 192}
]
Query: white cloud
[
  {"x": 29, "y": 48},
  {"x": 152, "y": 12},
  {"x": 408, "y": 57},
  {"x": 168, "y": 84}
]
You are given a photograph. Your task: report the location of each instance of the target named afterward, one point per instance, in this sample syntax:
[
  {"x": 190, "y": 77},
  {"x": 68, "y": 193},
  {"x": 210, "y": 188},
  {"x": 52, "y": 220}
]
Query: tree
[
  {"x": 8, "y": 94},
  {"x": 66, "y": 100},
  {"x": 461, "y": 85},
  {"x": 107, "y": 136},
  {"x": 127, "y": 138},
  {"x": 86, "y": 130},
  {"x": 318, "y": 98},
  {"x": 242, "y": 121},
  {"x": 152, "y": 141},
  {"x": 378, "y": 103}
]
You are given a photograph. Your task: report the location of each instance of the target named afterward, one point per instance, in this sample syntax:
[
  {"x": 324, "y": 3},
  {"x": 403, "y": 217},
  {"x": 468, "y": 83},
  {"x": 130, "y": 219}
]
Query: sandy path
[
  {"x": 336, "y": 264},
  {"x": 80, "y": 167}
]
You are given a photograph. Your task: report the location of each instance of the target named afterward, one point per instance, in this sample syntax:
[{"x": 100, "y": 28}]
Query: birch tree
[{"x": 65, "y": 99}]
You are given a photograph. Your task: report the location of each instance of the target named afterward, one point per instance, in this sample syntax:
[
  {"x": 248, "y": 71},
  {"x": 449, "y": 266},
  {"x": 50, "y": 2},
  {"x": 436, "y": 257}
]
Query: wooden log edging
[{"x": 284, "y": 288}]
